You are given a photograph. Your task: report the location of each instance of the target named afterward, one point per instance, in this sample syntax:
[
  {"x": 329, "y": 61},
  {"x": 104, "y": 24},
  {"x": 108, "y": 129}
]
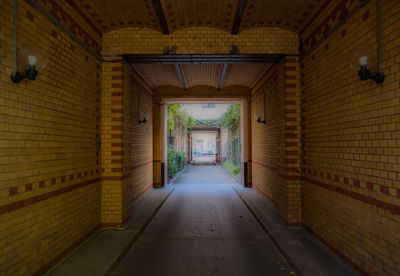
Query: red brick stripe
[
  {"x": 265, "y": 166},
  {"x": 29, "y": 201},
  {"x": 367, "y": 199},
  {"x": 315, "y": 16},
  {"x": 72, "y": 4},
  {"x": 141, "y": 165}
]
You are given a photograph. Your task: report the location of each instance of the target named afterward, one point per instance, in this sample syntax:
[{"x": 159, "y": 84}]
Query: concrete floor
[{"x": 204, "y": 228}]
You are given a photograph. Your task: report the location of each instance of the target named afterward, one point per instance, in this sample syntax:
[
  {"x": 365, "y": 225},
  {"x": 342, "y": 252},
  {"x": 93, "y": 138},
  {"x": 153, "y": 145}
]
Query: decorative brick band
[
  {"x": 367, "y": 199},
  {"x": 141, "y": 165},
  {"x": 29, "y": 201},
  {"x": 60, "y": 14},
  {"x": 340, "y": 179},
  {"x": 78, "y": 11},
  {"x": 275, "y": 169},
  {"x": 343, "y": 11},
  {"x": 50, "y": 182}
]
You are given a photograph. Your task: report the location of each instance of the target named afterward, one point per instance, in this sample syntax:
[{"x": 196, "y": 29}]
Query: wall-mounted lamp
[
  {"x": 259, "y": 120},
  {"x": 367, "y": 59},
  {"x": 27, "y": 58},
  {"x": 29, "y": 73},
  {"x": 365, "y": 74},
  {"x": 261, "y": 117},
  {"x": 143, "y": 117}
]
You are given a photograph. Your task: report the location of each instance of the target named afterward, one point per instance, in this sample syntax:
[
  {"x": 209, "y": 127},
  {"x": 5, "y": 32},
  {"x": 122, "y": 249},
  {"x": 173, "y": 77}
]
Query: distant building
[{"x": 205, "y": 111}]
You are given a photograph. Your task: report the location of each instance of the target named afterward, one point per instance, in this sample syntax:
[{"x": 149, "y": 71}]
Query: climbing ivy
[{"x": 173, "y": 110}]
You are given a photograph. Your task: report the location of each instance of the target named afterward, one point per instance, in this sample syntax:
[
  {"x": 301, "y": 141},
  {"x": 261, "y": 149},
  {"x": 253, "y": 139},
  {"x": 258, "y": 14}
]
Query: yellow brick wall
[
  {"x": 201, "y": 40},
  {"x": 126, "y": 146},
  {"x": 49, "y": 160},
  {"x": 137, "y": 141},
  {"x": 351, "y": 186},
  {"x": 276, "y": 144},
  {"x": 267, "y": 145}
]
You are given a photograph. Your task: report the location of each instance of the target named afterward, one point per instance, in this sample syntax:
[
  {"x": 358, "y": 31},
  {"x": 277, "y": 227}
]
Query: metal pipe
[
  {"x": 15, "y": 38},
  {"x": 379, "y": 30}
]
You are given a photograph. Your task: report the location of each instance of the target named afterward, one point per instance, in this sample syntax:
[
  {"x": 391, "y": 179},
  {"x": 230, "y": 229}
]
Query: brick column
[
  {"x": 157, "y": 108},
  {"x": 111, "y": 144},
  {"x": 249, "y": 159},
  {"x": 292, "y": 128}
]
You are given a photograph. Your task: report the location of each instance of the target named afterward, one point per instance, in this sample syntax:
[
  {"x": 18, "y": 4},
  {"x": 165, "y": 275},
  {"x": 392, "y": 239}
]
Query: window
[{"x": 208, "y": 105}]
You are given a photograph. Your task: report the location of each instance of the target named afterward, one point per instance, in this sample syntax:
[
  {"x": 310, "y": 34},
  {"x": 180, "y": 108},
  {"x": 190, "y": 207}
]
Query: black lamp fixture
[
  {"x": 259, "y": 116},
  {"x": 369, "y": 57},
  {"x": 29, "y": 59},
  {"x": 144, "y": 115},
  {"x": 365, "y": 74},
  {"x": 29, "y": 73}
]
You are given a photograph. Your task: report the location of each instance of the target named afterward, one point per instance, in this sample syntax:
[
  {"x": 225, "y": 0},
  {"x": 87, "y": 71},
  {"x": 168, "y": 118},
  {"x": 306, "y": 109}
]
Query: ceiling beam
[
  {"x": 160, "y": 16},
  {"x": 203, "y": 59},
  {"x": 238, "y": 16},
  {"x": 180, "y": 75},
  {"x": 222, "y": 76}
]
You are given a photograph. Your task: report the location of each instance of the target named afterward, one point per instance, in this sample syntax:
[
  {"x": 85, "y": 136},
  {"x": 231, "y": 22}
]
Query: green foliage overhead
[
  {"x": 190, "y": 121},
  {"x": 207, "y": 122},
  {"x": 231, "y": 118}
]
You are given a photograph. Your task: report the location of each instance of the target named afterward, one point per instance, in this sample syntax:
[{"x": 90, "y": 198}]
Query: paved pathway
[{"x": 204, "y": 229}]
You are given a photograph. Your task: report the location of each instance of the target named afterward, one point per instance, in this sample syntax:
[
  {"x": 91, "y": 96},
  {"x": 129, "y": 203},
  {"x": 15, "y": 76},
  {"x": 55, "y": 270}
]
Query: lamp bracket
[
  {"x": 30, "y": 74},
  {"x": 365, "y": 74}
]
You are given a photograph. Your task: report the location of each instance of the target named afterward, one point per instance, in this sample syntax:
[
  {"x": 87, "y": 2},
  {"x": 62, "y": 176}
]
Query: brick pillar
[
  {"x": 249, "y": 161},
  {"x": 111, "y": 144},
  {"x": 292, "y": 173},
  {"x": 157, "y": 108}
]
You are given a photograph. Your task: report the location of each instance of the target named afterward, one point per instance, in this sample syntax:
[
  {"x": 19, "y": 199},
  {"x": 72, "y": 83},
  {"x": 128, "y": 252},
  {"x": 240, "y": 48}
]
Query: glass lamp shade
[
  {"x": 30, "y": 56},
  {"x": 259, "y": 115},
  {"x": 364, "y": 57},
  {"x": 144, "y": 116}
]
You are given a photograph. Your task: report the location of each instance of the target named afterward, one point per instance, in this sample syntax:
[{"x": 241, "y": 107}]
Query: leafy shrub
[
  {"x": 235, "y": 170},
  {"x": 181, "y": 160},
  {"x": 176, "y": 161},
  {"x": 172, "y": 166}
]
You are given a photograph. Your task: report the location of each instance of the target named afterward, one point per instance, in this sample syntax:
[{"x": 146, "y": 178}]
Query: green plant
[
  {"x": 172, "y": 166},
  {"x": 235, "y": 170},
  {"x": 231, "y": 120},
  {"x": 190, "y": 121},
  {"x": 207, "y": 122},
  {"x": 180, "y": 160},
  {"x": 172, "y": 110}
]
